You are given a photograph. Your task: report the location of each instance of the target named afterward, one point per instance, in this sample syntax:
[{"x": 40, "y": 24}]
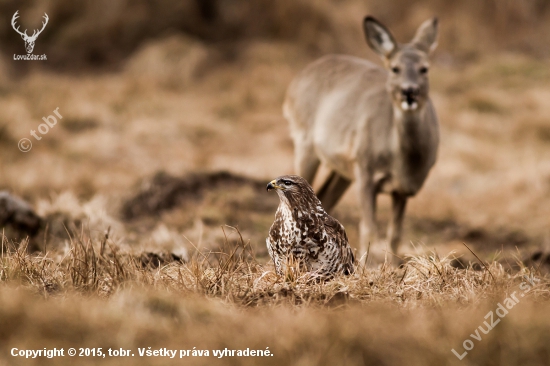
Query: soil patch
[{"x": 164, "y": 192}]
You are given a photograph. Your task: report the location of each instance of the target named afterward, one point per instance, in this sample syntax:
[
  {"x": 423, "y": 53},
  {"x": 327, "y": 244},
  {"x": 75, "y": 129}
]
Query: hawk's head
[{"x": 295, "y": 190}]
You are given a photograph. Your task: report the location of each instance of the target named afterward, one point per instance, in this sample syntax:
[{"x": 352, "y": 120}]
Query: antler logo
[{"x": 29, "y": 40}]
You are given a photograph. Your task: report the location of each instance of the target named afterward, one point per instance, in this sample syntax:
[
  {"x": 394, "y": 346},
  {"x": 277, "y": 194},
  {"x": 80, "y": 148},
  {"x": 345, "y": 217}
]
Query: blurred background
[{"x": 158, "y": 96}]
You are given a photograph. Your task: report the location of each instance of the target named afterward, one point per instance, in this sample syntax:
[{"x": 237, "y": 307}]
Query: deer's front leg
[
  {"x": 306, "y": 161},
  {"x": 367, "y": 200},
  {"x": 396, "y": 223}
]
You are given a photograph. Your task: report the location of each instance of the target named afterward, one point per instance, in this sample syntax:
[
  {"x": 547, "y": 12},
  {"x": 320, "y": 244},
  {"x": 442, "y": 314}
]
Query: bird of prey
[{"x": 304, "y": 233}]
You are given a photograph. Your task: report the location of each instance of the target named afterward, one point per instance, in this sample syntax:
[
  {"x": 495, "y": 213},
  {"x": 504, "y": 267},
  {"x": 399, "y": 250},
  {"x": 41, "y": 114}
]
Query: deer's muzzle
[{"x": 409, "y": 98}]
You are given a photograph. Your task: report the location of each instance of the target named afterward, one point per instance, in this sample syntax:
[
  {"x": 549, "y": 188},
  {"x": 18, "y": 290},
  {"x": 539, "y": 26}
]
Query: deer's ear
[
  {"x": 378, "y": 37},
  {"x": 426, "y": 36}
]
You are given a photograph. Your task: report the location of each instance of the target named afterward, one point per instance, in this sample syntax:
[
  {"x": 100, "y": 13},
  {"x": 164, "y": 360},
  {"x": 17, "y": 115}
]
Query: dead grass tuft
[
  {"x": 106, "y": 297},
  {"x": 233, "y": 274}
]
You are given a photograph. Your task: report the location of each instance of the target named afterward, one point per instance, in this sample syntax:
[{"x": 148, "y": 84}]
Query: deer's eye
[
  {"x": 423, "y": 70},
  {"x": 395, "y": 70}
]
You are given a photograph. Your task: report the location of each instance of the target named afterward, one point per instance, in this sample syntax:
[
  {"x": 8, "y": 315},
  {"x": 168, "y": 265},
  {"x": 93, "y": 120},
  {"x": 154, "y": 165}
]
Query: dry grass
[
  {"x": 96, "y": 295},
  {"x": 233, "y": 274},
  {"x": 105, "y": 298}
]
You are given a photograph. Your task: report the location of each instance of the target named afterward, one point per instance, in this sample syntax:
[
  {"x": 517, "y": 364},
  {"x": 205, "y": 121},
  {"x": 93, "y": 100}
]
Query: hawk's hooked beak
[{"x": 272, "y": 185}]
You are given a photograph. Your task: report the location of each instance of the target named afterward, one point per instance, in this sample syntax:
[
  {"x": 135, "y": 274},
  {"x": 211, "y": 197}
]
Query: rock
[{"x": 18, "y": 214}]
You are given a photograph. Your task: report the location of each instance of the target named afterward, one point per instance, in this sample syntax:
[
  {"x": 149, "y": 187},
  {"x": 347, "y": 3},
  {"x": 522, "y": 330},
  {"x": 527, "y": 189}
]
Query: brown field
[{"x": 171, "y": 128}]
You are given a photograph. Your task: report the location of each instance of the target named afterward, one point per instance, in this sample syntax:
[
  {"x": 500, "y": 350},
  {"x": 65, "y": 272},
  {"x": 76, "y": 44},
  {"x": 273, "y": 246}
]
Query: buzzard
[{"x": 304, "y": 233}]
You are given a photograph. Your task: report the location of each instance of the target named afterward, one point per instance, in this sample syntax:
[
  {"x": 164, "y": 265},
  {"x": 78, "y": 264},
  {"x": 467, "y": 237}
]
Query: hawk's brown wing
[{"x": 335, "y": 230}]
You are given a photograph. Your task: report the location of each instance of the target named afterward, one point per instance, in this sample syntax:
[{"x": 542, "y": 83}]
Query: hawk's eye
[{"x": 287, "y": 182}]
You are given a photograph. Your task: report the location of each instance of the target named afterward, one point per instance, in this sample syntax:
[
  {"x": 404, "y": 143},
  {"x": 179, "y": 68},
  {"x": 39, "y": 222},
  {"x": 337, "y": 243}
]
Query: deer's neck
[
  {"x": 413, "y": 145},
  {"x": 409, "y": 126}
]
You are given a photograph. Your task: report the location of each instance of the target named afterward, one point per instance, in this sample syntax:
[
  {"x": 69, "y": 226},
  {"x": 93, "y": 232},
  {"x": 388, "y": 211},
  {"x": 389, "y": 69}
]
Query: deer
[
  {"x": 29, "y": 41},
  {"x": 368, "y": 124}
]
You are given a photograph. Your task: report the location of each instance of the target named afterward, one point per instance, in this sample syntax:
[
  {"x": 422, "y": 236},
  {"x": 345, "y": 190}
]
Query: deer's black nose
[
  {"x": 410, "y": 94},
  {"x": 410, "y": 91}
]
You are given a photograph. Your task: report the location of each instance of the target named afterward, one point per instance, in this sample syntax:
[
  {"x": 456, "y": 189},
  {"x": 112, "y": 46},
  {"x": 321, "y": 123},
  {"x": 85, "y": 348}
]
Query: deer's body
[{"x": 367, "y": 124}]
